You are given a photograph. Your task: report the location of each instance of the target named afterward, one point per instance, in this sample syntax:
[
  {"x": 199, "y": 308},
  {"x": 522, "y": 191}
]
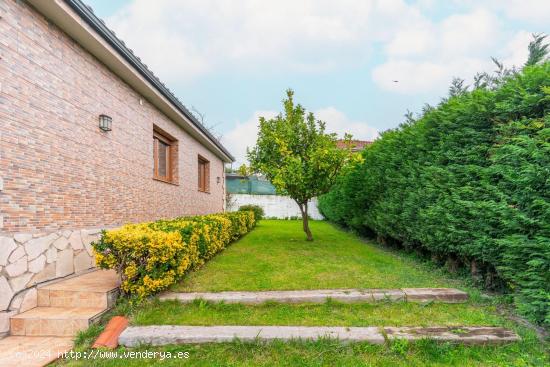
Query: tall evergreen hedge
[{"x": 468, "y": 180}]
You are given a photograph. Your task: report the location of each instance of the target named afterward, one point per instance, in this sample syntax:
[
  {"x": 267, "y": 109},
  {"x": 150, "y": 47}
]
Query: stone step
[
  {"x": 167, "y": 334},
  {"x": 447, "y": 295},
  {"x": 54, "y": 321},
  {"x": 94, "y": 289},
  {"x": 32, "y": 351}
]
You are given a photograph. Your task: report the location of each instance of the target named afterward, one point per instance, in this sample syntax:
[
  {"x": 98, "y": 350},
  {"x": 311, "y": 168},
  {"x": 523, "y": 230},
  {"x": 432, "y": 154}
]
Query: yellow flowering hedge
[{"x": 152, "y": 256}]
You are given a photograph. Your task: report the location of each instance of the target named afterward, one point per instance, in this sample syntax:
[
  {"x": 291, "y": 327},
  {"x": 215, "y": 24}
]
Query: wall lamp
[{"x": 105, "y": 122}]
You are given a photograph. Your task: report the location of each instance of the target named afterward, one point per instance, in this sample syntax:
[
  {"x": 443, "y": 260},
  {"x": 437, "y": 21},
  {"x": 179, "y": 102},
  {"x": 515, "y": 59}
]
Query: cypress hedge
[{"x": 468, "y": 182}]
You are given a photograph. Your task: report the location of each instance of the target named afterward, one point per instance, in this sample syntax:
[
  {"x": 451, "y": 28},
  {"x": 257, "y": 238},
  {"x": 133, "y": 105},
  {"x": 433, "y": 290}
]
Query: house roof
[
  {"x": 356, "y": 145},
  {"x": 62, "y": 12}
]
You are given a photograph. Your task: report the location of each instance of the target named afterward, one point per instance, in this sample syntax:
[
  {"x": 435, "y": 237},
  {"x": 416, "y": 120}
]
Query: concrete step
[
  {"x": 461, "y": 334},
  {"x": 94, "y": 289},
  {"x": 447, "y": 295},
  {"x": 163, "y": 335},
  {"x": 54, "y": 321},
  {"x": 32, "y": 351}
]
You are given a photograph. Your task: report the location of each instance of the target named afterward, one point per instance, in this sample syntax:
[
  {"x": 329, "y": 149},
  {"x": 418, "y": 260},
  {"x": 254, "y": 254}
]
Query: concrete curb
[
  {"x": 162, "y": 335},
  {"x": 168, "y": 334},
  {"x": 447, "y": 295},
  {"x": 458, "y": 334}
]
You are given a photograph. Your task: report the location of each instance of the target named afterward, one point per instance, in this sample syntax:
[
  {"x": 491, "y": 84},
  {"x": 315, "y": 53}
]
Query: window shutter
[{"x": 207, "y": 177}]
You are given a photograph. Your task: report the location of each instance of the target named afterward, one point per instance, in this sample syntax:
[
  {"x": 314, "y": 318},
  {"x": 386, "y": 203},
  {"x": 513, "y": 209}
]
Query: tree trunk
[{"x": 305, "y": 221}]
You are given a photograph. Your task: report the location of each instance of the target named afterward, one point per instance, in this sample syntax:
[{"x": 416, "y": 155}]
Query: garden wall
[{"x": 274, "y": 206}]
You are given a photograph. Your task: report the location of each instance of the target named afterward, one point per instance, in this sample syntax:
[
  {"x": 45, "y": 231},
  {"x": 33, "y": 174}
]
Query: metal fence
[{"x": 251, "y": 185}]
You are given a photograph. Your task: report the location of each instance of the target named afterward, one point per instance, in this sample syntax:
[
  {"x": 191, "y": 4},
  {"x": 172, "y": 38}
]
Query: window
[
  {"x": 204, "y": 175},
  {"x": 164, "y": 155}
]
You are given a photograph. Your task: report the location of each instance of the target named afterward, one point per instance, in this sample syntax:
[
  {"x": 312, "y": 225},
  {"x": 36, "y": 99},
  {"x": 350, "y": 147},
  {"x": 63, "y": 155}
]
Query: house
[{"x": 89, "y": 139}]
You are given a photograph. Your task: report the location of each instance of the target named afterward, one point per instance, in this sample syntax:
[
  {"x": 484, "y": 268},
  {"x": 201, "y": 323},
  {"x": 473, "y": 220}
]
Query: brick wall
[{"x": 59, "y": 170}]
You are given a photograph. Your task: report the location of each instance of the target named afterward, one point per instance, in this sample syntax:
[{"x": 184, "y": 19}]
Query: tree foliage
[
  {"x": 294, "y": 152},
  {"x": 468, "y": 180},
  {"x": 538, "y": 50}
]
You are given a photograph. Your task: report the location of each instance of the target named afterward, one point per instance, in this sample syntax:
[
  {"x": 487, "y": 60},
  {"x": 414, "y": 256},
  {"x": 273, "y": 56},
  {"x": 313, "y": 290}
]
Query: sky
[{"x": 358, "y": 65}]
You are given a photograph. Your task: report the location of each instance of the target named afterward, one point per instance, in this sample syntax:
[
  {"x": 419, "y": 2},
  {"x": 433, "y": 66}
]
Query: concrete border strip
[
  {"x": 447, "y": 295},
  {"x": 170, "y": 334}
]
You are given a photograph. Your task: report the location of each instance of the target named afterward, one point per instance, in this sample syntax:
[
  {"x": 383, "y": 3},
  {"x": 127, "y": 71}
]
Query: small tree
[{"x": 297, "y": 156}]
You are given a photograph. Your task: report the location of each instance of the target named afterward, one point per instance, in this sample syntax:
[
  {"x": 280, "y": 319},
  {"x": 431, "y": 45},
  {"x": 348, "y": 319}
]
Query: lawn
[
  {"x": 276, "y": 256},
  {"x": 330, "y": 313},
  {"x": 333, "y": 353}
]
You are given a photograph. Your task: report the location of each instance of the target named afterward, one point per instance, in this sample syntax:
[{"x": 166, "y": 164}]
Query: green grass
[
  {"x": 276, "y": 256},
  {"x": 330, "y": 313},
  {"x": 334, "y": 353}
]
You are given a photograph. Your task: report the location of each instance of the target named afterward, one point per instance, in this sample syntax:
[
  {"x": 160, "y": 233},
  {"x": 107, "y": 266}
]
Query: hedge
[
  {"x": 468, "y": 181},
  {"x": 152, "y": 256},
  {"x": 258, "y": 211}
]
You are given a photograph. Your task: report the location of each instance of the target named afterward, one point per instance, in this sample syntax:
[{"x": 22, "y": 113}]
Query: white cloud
[
  {"x": 413, "y": 41},
  {"x": 456, "y": 35},
  {"x": 339, "y": 123},
  {"x": 410, "y": 77},
  {"x": 533, "y": 11},
  {"x": 516, "y": 49},
  {"x": 424, "y": 57},
  {"x": 244, "y": 134},
  {"x": 467, "y": 34},
  {"x": 183, "y": 40}
]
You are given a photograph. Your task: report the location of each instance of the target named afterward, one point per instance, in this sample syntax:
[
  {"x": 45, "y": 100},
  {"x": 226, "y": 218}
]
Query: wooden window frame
[
  {"x": 171, "y": 157},
  {"x": 203, "y": 162}
]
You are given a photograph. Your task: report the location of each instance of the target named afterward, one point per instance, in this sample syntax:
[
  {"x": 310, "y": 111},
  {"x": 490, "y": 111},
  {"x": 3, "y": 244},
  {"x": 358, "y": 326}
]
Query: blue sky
[{"x": 233, "y": 60}]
